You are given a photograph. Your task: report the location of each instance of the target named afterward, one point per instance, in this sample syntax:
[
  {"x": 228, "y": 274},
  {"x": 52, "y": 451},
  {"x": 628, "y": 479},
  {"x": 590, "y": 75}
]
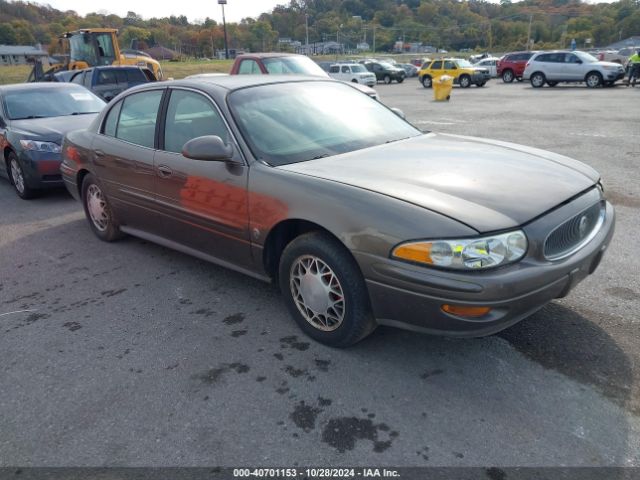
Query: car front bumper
[
  {"x": 411, "y": 297},
  {"x": 41, "y": 169}
]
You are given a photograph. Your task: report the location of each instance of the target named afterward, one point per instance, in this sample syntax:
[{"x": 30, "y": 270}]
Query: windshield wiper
[
  {"x": 30, "y": 117},
  {"x": 81, "y": 113}
]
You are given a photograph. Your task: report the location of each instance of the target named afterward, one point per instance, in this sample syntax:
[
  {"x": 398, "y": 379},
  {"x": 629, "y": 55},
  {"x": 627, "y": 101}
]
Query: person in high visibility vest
[{"x": 634, "y": 68}]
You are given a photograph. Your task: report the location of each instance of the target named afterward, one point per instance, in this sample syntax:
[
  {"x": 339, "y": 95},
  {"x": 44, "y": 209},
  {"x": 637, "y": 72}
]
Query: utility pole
[
  {"x": 224, "y": 27},
  {"x": 529, "y": 32},
  {"x": 490, "y": 37},
  {"x": 306, "y": 28},
  {"x": 374, "y": 39}
]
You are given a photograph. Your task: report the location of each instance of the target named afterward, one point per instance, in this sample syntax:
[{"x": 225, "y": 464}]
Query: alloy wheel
[{"x": 17, "y": 176}]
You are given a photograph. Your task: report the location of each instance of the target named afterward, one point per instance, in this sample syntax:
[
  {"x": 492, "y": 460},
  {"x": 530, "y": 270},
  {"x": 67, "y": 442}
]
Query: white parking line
[{"x": 17, "y": 311}]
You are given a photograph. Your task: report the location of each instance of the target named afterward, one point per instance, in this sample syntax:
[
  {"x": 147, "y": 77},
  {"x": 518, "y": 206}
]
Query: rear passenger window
[
  {"x": 249, "y": 67},
  {"x": 334, "y": 69},
  {"x": 449, "y": 65},
  {"x": 106, "y": 77},
  {"x": 138, "y": 117},
  {"x": 346, "y": 69},
  {"x": 191, "y": 115},
  {"x": 110, "y": 124},
  {"x": 135, "y": 75}
]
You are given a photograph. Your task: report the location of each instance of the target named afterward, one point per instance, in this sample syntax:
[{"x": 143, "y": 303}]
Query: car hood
[
  {"x": 53, "y": 128},
  {"x": 485, "y": 184}
]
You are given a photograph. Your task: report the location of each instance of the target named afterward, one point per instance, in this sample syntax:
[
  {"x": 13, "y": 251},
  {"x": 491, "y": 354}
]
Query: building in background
[{"x": 21, "y": 54}]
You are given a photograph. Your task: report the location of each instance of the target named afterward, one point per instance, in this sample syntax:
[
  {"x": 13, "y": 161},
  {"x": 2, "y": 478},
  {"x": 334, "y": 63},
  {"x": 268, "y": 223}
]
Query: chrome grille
[{"x": 574, "y": 233}]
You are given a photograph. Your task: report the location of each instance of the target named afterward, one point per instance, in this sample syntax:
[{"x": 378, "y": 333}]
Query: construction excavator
[{"x": 92, "y": 47}]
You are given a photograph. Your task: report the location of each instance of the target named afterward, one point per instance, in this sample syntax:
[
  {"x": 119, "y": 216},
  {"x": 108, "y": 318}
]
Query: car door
[
  {"x": 573, "y": 68},
  {"x": 3, "y": 138},
  {"x": 450, "y": 68},
  {"x": 123, "y": 158},
  {"x": 203, "y": 203},
  {"x": 436, "y": 69}
]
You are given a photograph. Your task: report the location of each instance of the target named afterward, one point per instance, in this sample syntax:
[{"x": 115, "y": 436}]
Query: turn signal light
[{"x": 462, "y": 311}]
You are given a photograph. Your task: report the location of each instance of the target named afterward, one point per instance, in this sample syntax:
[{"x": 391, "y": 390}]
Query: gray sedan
[{"x": 359, "y": 217}]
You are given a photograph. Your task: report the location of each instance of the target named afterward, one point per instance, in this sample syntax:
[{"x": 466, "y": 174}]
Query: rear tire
[
  {"x": 18, "y": 179},
  {"x": 325, "y": 291},
  {"x": 538, "y": 80},
  {"x": 98, "y": 211},
  {"x": 386, "y": 79},
  {"x": 507, "y": 76}
]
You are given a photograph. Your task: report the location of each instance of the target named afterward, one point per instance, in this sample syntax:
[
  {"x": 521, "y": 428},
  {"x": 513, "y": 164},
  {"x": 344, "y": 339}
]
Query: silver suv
[{"x": 570, "y": 66}]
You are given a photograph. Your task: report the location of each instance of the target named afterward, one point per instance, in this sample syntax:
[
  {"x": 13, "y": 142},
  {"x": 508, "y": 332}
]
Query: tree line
[{"x": 448, "y": 24}]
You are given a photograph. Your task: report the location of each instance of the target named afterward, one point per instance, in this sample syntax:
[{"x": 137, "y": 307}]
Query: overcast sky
[{"x": 235, "y": 10}]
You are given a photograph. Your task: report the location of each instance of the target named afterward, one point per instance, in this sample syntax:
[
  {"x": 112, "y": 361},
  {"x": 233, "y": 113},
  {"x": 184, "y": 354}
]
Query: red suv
[{"x": 512, "y": 66}]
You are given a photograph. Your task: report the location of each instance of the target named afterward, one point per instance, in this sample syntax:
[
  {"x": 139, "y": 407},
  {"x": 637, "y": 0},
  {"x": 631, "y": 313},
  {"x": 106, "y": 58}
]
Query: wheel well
[
  {"x": 79, "y": 179},
  {"x": 280, "y": 236},
  {"x": 592, "y": 71},
  {"x": 7, "y": 151}
]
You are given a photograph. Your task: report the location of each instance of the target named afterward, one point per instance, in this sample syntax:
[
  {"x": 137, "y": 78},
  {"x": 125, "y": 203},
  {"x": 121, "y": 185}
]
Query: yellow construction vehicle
[{"x": 92, "y": 47}]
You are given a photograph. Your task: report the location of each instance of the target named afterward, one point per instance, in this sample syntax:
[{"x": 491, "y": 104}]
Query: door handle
[
  {"x": 99, "y": 153},
  {"x": 164, "y": 171}
]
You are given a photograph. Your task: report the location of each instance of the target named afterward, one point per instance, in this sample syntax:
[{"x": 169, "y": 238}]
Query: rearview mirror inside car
[{"x": 209, "y": 147}]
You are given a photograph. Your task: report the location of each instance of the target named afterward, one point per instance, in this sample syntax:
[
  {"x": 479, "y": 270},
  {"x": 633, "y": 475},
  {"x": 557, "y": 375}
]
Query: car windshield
[
  {"x": 293, "y": 65},
  {"x": 586, "y": 57},
  {"x": 50, "y": 102},
  {"x": 295, "y": 122},
  {"x": 464, "y": 63},
  {"x": 386, "y": 65},
  {"x": 358, "y": 69}
]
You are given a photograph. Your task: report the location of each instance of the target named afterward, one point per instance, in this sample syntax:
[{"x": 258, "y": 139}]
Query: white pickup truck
[
  {"x": 352, "y": 72},
  {"x": 621, "y": 56}
]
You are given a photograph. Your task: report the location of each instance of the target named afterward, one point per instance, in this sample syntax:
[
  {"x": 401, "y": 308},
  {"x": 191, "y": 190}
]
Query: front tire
[
  {"x": 98, "y": 211},
  {"x": 593, "y": 80},
  {"x": 18, "y": 179},
  {"x": 465, "y": 81},
  {"x": 324, "y": 290},
  {"x": 537, "y": 80},
  {"x": 427, "y": 81}
]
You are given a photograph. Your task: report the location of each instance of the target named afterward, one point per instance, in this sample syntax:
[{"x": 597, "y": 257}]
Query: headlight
[
  {"x": 610, "y": 67},
  {"x": 40, "y": 146},
  {"x": 465, "y": 254}
]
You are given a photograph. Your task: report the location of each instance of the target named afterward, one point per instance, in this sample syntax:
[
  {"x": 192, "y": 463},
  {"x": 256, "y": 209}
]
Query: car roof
[
  {"x": 236, "y": 82},
  {"x": 268, "y": 55},
  {"x": 39, "y": 85}
]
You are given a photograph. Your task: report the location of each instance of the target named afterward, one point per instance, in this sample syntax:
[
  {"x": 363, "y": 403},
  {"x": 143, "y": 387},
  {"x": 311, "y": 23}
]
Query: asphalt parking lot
[{"x": 130, "y": 354}]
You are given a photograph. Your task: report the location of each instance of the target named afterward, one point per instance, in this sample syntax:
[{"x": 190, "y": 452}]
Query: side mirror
[
  {"x": 209, "y": 147},
  {"x": 579, "y": 61},
  {"x": 398, "y": 112}
]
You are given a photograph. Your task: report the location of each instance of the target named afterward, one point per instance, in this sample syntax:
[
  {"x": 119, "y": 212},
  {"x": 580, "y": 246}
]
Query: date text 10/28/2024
[{"x": 315, "y": 473}]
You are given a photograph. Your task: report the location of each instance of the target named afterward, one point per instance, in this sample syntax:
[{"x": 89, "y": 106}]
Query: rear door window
[
  {"x": 138, "y": 118},
  {"x": 249, "y": 67},
  {"x": 334, "y": 69}
]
